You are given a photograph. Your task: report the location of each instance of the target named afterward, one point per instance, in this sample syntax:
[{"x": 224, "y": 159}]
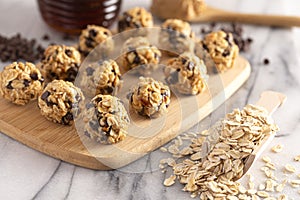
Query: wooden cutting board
[{"x": 26, "y": 125}]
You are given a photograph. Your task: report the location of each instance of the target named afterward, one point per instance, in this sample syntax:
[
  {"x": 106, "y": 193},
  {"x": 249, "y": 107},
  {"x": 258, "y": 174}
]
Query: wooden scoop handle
[
  {"x": 271, "y": 101},
  {"x": 211, "y": 14}
]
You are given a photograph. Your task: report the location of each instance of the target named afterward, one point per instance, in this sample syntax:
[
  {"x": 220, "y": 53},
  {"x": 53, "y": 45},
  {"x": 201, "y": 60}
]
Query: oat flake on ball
[
  {"x": 60, "y": 102},
  {"x": 150, "y": 97},
  {"x": 60, "y": 63},
  {"x": 21, "y": 82},
  {"x": 105, "y": 119}
]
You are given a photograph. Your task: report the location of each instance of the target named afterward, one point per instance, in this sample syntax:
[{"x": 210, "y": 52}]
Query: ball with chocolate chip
[
  {"x": 60, "y": 102},
  {"x": 95, "y": 36},
  {"x": 187, "y": 74},
  {"x": 21, "y": 82},
  {"x": 105, "y": 119},
  {"x": 222, "y": 50},
  {"x": 103, "y": 77},
  {"x": 150, "y": 97},
  {"x": 60, "y": 63},
  {"x": 138, "y": 52},
  {"x": 135, "y": 18},
  {"x": 176, "y": 36}
]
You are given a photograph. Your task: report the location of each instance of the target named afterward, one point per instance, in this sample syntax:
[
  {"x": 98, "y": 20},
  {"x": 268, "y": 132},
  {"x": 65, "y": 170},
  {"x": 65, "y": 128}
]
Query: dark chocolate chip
[
  {"x": 226, "y": 53},
  {"x": 34, "y": 76},
  {"x": 68, "y": 52},
  {"x": 89, "y": 42},
  {"x": 71, "y": 74},
  {"x": 67, "y": 118},
  {"x": 136, "y": 59},
  {"x": 94, "y": 125},
  {"x": 26, "y": 82},
  {"x": 266, "y": 61},
  {"x": 9, "y": 86},
  {"x": 45, "y": 95},
  {"x": 89, "y": 71},
  {"x": 109, "y": 90},
  {"x": 45, "y": 37},
  {"x": 93, "y": 33}
]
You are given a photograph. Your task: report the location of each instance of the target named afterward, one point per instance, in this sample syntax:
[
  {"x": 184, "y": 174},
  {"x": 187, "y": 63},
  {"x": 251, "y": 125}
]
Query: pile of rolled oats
[{"x": 213, "y": 176}]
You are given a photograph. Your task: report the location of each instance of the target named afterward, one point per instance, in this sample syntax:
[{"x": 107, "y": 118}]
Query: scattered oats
[
  {"x": 170, "y": 181},
  {"x": 242, "y": 189},
  {"x": 277, "y": 148},
  {"x": 282, "y": 197},
  {"x": 297, "y": 158},
  {"x": 290, "y": 168},
  {"x": 252, "y": 191},
  {"x": 163, "y": 149},
  {"x": 266, "y": 159},
  {"x": 255, "y": 197},
  {"x": 262, "y": 194},
  {"x": 230, "y": 197},
  {"x": 295, "y": 183},
  {"x": 271, "y": 166},
  {"x": 270, "y": 184},
  {"x": 280, "y": 187},
  {"x": 261, "y": 186}
]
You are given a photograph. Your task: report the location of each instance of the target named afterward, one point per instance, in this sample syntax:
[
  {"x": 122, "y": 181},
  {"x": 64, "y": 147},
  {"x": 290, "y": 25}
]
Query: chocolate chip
[
  {"x": 68, "y": 52},
  {"x": 45, "y": 37},
  {"x": 9, "y": 86},
  {"x": 89, "y": 71},
  {"x": 67, "y": 118},
  {"x": 93, "y": 33},
  {"x": 226, "y": 53},
  {"x": 26, "y": 82},
  {"x": 266, "y": 61},
  {"x": 34, "y": 76},
  {"x": 45, "y": 95},
  {"x": 136, "y": 59},
  {"x": 109, "y": 89},
  {"x": 71, "y": 74},
  {"x": 89, "y": 42},
  {"x": 94, "y": 125}
]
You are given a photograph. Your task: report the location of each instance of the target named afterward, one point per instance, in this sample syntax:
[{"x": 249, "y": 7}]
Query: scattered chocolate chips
[
  {"x": 67, "y": 118},
  {"x": 19, "y": 48},
  {"x": 266, "y": 61},
  {"x": 45, "y": 95},
  {"x": 34, "y": 76},
  {"x": 45, "y": 37}
]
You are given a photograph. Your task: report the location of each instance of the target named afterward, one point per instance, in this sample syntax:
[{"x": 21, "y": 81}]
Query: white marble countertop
[{"x": 29, "y": 174}]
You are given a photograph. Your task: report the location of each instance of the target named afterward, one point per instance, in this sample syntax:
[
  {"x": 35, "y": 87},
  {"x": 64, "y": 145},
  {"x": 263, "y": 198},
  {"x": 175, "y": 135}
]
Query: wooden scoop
[
  {"x": 173, "y": 9},
  {"x": 270, "y": 101}
]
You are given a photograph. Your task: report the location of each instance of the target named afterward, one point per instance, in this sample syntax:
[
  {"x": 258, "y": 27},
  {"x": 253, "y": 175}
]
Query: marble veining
[{"x": 28, "y": 174}]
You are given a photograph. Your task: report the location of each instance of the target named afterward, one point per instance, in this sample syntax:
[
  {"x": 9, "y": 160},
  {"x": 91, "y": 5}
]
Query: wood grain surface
[{"x": 26, "y": 125}]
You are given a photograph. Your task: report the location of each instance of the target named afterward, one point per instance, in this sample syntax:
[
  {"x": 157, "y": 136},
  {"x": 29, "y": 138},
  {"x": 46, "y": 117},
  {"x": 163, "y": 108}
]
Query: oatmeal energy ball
[
  {"x": 150, "y": 97},
  {"x": 176, "y": 36},
  {"x": 60, "y": 62},
  {"x": 60, "y": 101},
  {"x": 135, "y": 18},
  {"x": 20, "y": 83},
  {"x": 102, "y": 77},
  {"x": 106, "y": 120},
  {"x": 187, "y": 74},
  {"x": 95, "y": 36},
  {"x": 139, "y": 52},
  {"x": 222, "y": 50}
]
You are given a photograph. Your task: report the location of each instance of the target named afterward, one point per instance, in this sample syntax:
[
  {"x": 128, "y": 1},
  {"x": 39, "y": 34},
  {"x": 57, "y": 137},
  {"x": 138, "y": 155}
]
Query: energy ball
[
  {"x": 138, "y": 52},
  {"x": 103, "y": 77},
  {"x": 105, "y": 119},
  {"x": 187, "y": 74},
  {"x": 150, "y": 97},
  {"x": 222, "y": 50},
  {"x": 59, "y": 102},
  {"x": 20, "y": 83},
  {"x": 94, "y": 36},
  {"x": 135, "y": 18},
  {"x": 176, "y": 36},
  {"x": 60, "y": 63}
]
